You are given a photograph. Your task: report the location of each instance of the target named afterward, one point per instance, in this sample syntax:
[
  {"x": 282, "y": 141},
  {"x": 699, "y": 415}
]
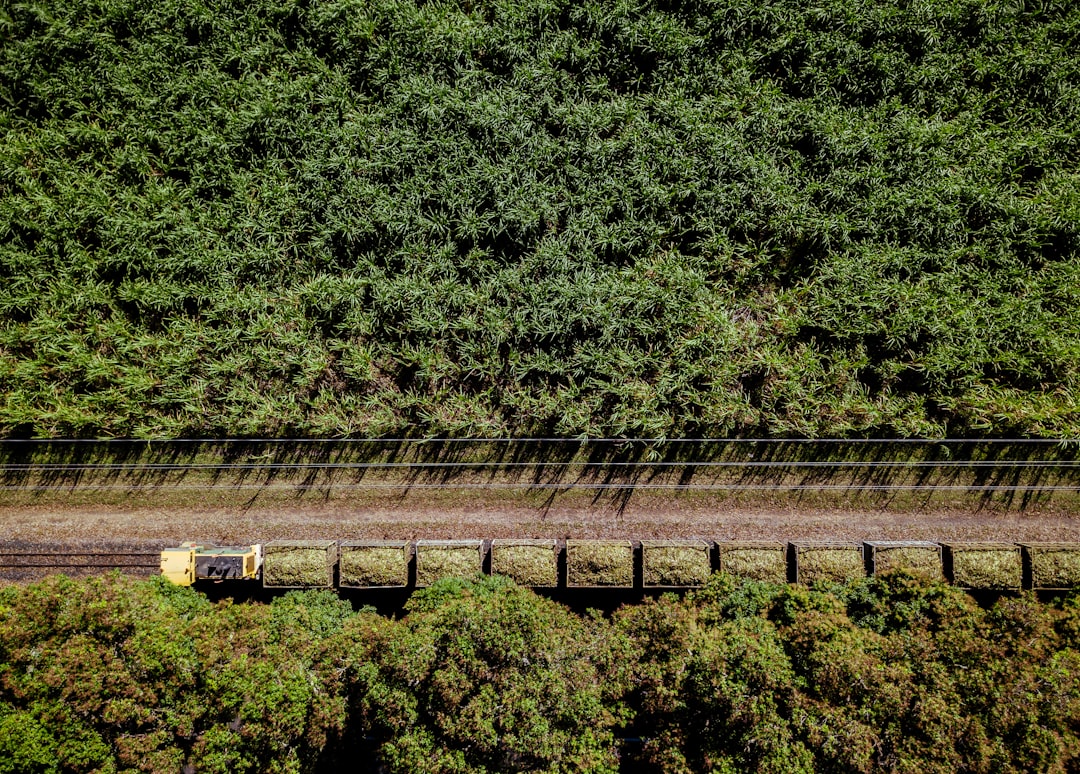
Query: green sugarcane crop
[{"x": 496, "y": 219}]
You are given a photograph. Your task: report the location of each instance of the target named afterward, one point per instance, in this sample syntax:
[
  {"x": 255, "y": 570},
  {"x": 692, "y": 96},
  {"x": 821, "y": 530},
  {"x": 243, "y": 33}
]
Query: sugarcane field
[{"x": 490, "y": 386}]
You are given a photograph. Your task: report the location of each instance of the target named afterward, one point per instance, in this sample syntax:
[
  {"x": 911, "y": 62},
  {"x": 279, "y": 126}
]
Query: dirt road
[
  {"x": 248, "y": 491},
  {"x": 460, "y": 514}
]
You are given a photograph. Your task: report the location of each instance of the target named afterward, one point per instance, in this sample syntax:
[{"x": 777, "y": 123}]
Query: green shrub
[
  {"x": 485, "y": 676},
  {"x": 715, "y": 697},
  {"x": 887, "y": 673},
  {"x": 115, "y": 674}
]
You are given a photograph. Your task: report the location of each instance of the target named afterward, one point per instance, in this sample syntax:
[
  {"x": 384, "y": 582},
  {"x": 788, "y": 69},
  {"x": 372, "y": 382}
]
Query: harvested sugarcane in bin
[
  {"x": 985, "y": 566},
  {"x": 528, "y": 562},
  {"x": 438, "y": 559},
  {"x": 675, "y": 563},
  {"x": 299, "y": 564},
  {"x": 919, "y": 558},
  {"x": 369, "y": 564},
  {"x": 755, "y": 560},
  {"x": 599, "y": 563},
  {"x": 828, "y": 562},
  {"x": 1054, "y": 566}
]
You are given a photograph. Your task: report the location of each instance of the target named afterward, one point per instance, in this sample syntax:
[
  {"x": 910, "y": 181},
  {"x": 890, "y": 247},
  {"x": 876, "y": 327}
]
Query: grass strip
[
  {"x": 528, "y": 562},
  {"x": 599, "y": 563},
  {"x": 760, "y": 561},
  {"x": 677, "y": 563},
  {"x": 299, "y": 564},
  {"x": 373, "y": 563},
  {"x": 986, "y": 565},
  {"x": 828, "y": 562},
  {"x": 438, "y": 559}
]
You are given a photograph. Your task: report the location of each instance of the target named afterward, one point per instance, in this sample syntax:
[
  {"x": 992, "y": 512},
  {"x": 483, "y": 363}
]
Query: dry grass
[
  {"x": 528, "y": 562},
  {"x": 438, "y": 559},
  {"x": 760, "y": 561},
  {"x": 202, "y": 488},
  {"x": 921, "y": 559},
  {"x": 373, "y": 563},
  {"x": 829, "y": 562},
  {"x": 299, "y": 564},
  {"x": 599, "y": 563},
  {"x": 1054, "y": 566},
  {"x": 992, "y": 566},
  {"x": 675, "y": 562}
]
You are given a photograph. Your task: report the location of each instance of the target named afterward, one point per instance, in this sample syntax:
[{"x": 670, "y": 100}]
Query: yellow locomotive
[{"x": 193, "y": 561}]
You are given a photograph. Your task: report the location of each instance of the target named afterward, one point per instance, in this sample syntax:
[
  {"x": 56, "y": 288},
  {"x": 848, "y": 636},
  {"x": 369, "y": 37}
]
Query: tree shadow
[{"x": 1009, "y": 475}]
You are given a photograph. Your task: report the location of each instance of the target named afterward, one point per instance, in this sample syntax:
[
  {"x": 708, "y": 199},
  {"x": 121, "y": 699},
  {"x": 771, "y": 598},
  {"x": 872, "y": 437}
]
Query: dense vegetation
[
  {"x": 117, "y": 675},
  {"x": 489, "y": 217}
]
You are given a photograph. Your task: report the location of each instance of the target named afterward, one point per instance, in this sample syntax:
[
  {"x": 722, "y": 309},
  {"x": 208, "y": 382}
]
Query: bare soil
[{"x": 222, "y": 518}]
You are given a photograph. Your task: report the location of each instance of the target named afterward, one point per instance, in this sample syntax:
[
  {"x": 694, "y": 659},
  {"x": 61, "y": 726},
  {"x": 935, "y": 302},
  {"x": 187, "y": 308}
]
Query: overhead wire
[
  {"x": 496, "y": 466},
  {"x": 1061, "y": 482}
]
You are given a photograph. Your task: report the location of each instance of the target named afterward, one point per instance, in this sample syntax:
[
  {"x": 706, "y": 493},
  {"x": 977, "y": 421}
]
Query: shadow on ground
[{"x": 1008, "y": 474}]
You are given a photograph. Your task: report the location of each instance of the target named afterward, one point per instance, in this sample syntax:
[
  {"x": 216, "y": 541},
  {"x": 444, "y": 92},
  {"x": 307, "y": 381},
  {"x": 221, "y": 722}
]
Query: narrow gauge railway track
[
  {"x": 102, "y": 493},
  {"x": 24, "y": 561},
  {"x": 572, "y": 567}
]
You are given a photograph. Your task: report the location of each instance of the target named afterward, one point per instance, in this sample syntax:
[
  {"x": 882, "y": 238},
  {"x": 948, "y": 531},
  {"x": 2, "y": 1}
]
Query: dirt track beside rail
[
  {"x": 259, "y": 490},
  {"x": 491, "y": 515}
]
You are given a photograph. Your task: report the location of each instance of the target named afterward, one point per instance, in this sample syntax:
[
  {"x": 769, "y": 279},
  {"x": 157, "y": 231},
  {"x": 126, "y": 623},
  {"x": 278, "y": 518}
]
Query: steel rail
[
  {"x": 4, "y": 553},
  {"x": 81, "y": 560}
]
